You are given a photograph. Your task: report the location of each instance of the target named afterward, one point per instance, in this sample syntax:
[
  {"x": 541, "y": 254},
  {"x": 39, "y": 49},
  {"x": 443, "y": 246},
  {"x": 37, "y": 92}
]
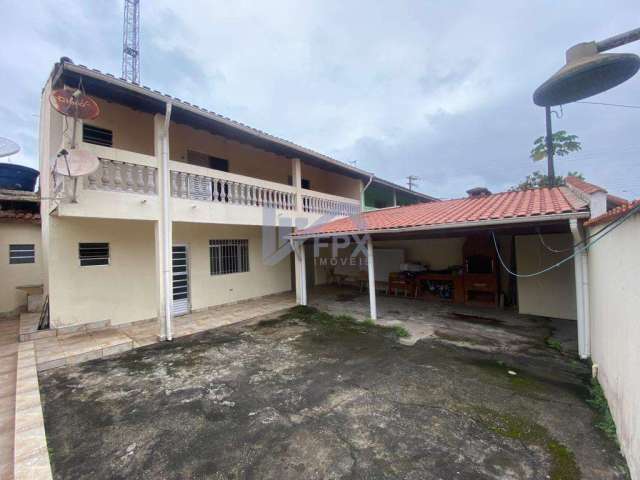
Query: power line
[
  {"x": 610, "y": 104},
  {"x": 608, "y": 229}
]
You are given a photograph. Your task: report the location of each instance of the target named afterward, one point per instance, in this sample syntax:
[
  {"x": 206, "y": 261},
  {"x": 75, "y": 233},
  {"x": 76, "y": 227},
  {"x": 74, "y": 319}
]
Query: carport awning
[{"x": 541, "y": 205}]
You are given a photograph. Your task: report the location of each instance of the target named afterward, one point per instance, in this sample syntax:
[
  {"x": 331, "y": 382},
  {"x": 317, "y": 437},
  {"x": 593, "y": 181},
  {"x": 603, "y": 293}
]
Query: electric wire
[
  {"x": 609, "y": 228},
  {"x": 610, "y": 104}
]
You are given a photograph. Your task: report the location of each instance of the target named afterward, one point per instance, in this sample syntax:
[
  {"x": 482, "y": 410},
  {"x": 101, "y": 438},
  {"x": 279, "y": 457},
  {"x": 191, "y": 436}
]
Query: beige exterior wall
[
  {"x": 122, "y": 291},
  {"x": 20, "y": 274},
  {"x": 551, "y": 294},
  {"x": 132, "y": 129},
  {"x": 125, "y": 290},
  {"x": 208, "y": 290},
  {"x": 332, "y": 183},
  {"x": 614, "y": 296}
]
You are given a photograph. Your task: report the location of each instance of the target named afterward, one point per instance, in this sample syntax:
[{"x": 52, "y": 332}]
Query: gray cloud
[{"x": 437, "y": 89}]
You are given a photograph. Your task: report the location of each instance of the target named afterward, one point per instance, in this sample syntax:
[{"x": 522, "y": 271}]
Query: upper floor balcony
[{"x": 125, "y": 186}]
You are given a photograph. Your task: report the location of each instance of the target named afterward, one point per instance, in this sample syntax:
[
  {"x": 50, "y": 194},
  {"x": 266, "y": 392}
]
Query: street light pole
[
  {"x": 587, "y": 72},
  {"x": 551, "y": 172}
]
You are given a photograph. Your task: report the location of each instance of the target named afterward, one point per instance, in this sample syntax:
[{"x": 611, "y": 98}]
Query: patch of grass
[
  {"x": 599, "y": 403},
  {"x": 339, "y": 323},
  {"x": 563, "y": 461},
  {"x": 400, "y": 332},
  {"x": 519, "y": 382},
  {"x": 553, "y": 343}
]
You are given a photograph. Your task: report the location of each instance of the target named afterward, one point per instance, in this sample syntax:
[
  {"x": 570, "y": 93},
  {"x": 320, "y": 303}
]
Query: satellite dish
[
  {"x": 76, "y": 163},
  {"x": 74, "y": 103},
  {"x": 8, "y": 147}
]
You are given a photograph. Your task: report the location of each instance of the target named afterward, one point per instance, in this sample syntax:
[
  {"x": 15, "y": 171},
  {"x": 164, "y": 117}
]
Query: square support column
[
  {"x": 301, "y": 273},
  {"x": 372, "y": 280},
  {"x": 582, "y": 290},
  {"x": 296, "y": 181}
]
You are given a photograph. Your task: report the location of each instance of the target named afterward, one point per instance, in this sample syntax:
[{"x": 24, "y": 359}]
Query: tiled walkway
[
  {"x": 71, "y": 348},
  {"x": 8, "y": 363}
]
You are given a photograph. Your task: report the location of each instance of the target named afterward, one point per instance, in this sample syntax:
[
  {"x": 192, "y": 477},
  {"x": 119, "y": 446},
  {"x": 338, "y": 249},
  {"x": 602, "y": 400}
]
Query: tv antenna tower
[
  {"x": 411, "y": 181},
  {"x": 131, "y": 41}
]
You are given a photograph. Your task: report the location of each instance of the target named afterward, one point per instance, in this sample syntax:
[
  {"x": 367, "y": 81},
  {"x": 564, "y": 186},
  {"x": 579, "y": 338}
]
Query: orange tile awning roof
[
  {"x": 612, "y": 215},
  {"x": 19, "y": 216},
  {"x": 521, "y": 205}
]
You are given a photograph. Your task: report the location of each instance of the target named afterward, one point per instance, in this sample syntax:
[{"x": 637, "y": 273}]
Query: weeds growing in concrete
[{"x": 599, "y": 403}]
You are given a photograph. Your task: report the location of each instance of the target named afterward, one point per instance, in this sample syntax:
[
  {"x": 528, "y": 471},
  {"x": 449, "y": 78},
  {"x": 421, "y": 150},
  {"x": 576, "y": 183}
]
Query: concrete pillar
[
  {"x": 372, "y": 280},
  {"x": 582, "y": 290},
  {"x": 301, "y": 273},
  {"x": 164, "y": 227},
  {"x": 296, "y": 176}
]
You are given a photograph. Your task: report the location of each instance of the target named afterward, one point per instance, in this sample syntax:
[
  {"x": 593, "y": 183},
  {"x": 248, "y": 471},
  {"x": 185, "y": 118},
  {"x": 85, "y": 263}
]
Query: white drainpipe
[
  {"x": 582, "y": 290},
  {"x": 166, "y": 226}
]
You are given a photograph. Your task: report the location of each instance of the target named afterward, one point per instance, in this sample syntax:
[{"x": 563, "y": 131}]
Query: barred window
[
  {"x": 229, "y": 256},
  {"x": 22, "y": 253},
  {"x": 92, "y": 254}
]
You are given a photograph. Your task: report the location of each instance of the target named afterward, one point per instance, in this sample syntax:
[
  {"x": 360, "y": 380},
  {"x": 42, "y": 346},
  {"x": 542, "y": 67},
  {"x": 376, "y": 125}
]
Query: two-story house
[{"x": 234, "y": 194}]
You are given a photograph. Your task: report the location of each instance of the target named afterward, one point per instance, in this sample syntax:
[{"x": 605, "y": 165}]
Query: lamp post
[{"x": 587, "y": 72}]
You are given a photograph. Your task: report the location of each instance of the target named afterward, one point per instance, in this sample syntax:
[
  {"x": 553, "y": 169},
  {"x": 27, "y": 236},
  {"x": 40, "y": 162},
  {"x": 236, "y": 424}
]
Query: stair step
[{"x": 29, "y": 328}]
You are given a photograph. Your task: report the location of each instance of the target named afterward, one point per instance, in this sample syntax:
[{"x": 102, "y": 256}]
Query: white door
[{"x": 180, "y": 280}]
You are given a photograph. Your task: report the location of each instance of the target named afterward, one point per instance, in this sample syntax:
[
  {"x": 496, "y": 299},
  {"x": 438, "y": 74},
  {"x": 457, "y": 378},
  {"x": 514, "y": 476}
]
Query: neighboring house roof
[
  {"x": 590, "y": 188},
  {"x": 586, "y": 187},
  {"x": 514, "y": 207},
  {"x": 612, "y": 215},
  {"x": 285, "y": 146},
  {"x": 19, "y": 216}
]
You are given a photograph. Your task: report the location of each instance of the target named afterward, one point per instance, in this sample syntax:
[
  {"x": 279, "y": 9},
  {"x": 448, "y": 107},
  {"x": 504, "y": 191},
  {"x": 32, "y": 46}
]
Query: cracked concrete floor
[{"x": 293, "y": 399}]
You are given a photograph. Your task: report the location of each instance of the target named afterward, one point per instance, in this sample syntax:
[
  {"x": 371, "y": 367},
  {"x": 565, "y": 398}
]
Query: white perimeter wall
[
  {"x": 125, "y": 290},
  {"x": 18, "y": 274},
  {"x": 614, "y": 291},
  {"x": 552, "y": 294}
]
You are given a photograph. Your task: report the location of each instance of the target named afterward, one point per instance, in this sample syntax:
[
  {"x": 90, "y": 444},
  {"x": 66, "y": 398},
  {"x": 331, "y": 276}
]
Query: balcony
[{"x": 126, "y": 186}]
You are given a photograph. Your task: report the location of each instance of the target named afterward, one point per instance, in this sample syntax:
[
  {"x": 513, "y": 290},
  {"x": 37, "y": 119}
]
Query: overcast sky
[{"x": 437, "y": 89}]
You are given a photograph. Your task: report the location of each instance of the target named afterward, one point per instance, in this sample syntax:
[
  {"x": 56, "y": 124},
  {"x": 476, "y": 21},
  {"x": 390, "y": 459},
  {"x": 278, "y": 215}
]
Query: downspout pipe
[
  {"x": 362, "y": 204},
  {"x": 582, "y": 291},
  {"x": 166, "y": 227}
]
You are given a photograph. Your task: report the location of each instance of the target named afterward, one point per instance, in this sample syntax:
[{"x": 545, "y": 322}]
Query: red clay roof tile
[{"x": 505, "y": 205}]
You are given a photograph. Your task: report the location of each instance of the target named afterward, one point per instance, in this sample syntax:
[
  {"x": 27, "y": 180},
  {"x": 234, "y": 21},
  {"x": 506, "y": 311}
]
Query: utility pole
[
  {"x": 131, "y": 41},
  {"x": 411, "y": 181}
]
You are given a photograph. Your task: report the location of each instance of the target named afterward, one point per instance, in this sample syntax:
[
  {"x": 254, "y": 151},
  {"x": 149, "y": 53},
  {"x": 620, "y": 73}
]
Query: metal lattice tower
[{"x": 131, "y": 41}]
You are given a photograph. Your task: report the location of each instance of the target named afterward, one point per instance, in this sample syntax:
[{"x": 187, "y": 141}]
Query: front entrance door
[{"x": 180, "y": 280}]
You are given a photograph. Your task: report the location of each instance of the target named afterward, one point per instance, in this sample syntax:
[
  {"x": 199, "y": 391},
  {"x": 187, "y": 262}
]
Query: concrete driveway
[{"x": 315, "y": 396}]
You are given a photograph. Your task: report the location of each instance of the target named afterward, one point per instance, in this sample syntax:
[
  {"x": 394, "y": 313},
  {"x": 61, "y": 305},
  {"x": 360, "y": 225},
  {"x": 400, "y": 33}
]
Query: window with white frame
[
  {"x": 228, "y": 256},
  {"x": 22, "y": 253},
  {"x": 93, "y": 254}
]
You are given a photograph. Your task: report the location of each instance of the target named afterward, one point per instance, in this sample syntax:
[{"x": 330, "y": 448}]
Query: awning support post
[
  {"x": 372, "y": 280},
  {"x": 582, "y": 290},
  {"x": 301, "y": 273}
]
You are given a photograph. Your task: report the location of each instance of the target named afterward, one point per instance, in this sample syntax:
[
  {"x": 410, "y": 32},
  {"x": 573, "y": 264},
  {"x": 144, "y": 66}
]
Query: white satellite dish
[
  {"x": 76, "y": 163},
  {"x": 8, "y": 147}
]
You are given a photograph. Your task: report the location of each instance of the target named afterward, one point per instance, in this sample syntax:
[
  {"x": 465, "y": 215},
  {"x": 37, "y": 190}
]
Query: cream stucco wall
[
  {"x": 551, "y": 294},
  {"x": 125, "y": 290},
  {"x": 20, "y": 274},
  {"x": 132, "y": 129},
  {"x": 122, "y": 291},
  {"x": 614, "y": 294},
  {"x": 208, "y": 290}
]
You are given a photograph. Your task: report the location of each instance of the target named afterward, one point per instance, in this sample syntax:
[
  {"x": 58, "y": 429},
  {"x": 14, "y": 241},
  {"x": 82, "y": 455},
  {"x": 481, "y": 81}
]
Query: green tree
[
  {"x": 539, "y": 180},
  {"x": 563, "y": 145}
]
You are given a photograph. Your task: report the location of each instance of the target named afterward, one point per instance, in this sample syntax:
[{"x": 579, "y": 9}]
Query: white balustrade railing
[
  {"x": 221, "y": 190},
  {"x": 113, "y": 175},
  {"x": 330, "y": 206}
]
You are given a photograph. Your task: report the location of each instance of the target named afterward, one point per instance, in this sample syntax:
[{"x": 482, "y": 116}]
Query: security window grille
[
  {"x": 97, "y": 135},
  {"x": 22, "y": 253},
  {"x": 229, "y": 256},
  {"x": 92, "y": 254}
]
